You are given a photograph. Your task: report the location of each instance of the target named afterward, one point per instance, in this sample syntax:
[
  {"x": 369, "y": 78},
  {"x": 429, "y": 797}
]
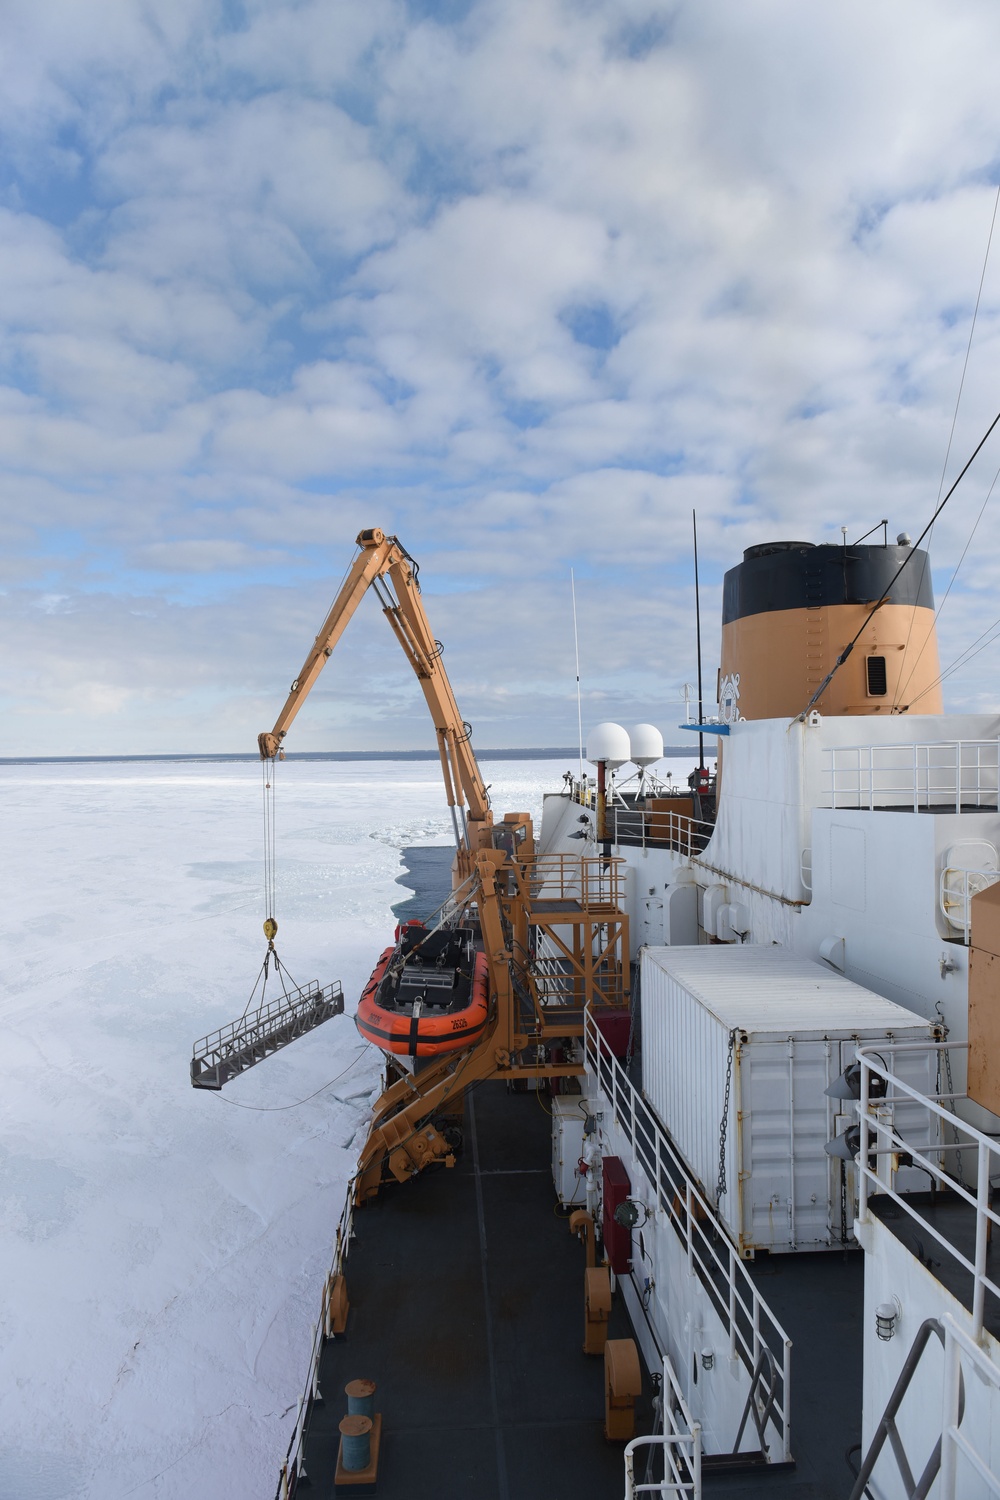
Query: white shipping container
[{"x": 781, "y": 1029}]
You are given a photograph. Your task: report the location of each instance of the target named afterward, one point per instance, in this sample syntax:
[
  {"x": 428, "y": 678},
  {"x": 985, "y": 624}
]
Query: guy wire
[
  {"x": 892, "y": 582},
  {"x": 944, "y": 467}
]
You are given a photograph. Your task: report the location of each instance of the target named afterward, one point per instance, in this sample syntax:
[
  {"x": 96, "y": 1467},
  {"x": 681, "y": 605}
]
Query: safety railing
[
  {"x": 234, "y": 1048},
  {"x": 644, "y": 827},
  {"x": 944, "y": 775},
  {"x": 881, "y": 1146},
  {"x": 292, "y": 1469},
  {"x": 559, "y": 980},
  {"x": 749, "y": 1324},
  {"x": 678, "y": 1445},
  {"x": 660, "y": 829},
  {"x": 590, "y": 881},
  {"x": 944, "y": 1473},
  {"x": 958, "y": 885},
  {"x": 956, "y": 1445},
  {"x": 556, "y": 980}
]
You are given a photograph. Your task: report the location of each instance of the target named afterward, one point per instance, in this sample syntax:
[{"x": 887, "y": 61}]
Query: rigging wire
[
  {"x": 269, "y": 1109},
  {"x": 944, "y": 467},
  {"x": 269, "y": 775},
  {"x": 892, "y": 582},
  {"x": 964, "y": 657},
  {"x": 947, "y": 671},
  {"x": 269, "y": 769}
]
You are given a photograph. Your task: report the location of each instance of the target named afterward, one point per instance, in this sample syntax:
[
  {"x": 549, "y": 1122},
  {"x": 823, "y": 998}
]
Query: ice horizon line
[{"x": 512, "y": 752}]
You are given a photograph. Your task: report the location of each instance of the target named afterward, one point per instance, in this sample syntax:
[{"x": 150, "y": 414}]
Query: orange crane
[
  {"x": 384, "y": 564},
  {"x": 554, "y": 931}
]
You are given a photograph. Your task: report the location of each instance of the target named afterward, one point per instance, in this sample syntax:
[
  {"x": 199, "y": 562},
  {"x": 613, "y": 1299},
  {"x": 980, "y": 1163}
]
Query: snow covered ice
[{"x": 163, "y": 1250}]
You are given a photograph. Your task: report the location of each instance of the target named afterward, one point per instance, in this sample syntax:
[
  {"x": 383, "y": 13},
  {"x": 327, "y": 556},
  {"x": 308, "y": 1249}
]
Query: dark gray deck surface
[
  {"x": 819, "y": 1300},
  {"x": 467, "y": 1308}
]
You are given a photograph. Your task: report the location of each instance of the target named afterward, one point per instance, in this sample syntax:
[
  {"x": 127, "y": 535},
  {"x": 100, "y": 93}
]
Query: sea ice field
[{"x": 163, "y": 1249}]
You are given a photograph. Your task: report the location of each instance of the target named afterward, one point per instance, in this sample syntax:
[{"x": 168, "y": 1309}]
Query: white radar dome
[
  {"x": 647, "y": 744},
  {"x": 610, "y": 743}
]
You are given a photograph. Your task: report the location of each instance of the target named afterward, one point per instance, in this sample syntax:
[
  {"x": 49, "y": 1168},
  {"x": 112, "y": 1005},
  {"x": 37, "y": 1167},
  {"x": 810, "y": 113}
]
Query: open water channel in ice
[{"x": 163, "y": 1249}]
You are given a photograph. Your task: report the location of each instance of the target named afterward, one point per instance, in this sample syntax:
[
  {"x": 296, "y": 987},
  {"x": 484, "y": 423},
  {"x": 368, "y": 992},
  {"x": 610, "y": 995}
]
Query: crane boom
[{"x": 383, "y": 563}]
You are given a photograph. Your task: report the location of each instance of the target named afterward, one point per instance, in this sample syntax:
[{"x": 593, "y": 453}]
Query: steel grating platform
[{"x": 225, "y": 1053}]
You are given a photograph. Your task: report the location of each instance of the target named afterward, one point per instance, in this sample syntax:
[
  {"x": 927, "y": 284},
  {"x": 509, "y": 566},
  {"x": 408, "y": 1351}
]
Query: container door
[{"x": 785, "y": 1131}]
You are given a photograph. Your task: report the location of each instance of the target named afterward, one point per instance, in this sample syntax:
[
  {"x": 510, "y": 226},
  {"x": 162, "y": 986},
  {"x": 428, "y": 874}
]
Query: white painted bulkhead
[
  {"x": 858, "y": 888},
  {"x": 672, "y": 1315},
  {"x": 893, "y": 1272}
]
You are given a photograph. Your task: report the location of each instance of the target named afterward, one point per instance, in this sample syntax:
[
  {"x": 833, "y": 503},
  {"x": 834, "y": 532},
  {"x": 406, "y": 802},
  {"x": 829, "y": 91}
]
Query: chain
[
  {"x": 951, "y": 1106},
  {"x": 720, "y": 1186},
  {"x": 951, "y": 1089}
]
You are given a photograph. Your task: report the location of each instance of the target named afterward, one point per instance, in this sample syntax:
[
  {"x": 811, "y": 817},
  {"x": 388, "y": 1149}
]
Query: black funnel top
[{"x": 798, "y": 575}]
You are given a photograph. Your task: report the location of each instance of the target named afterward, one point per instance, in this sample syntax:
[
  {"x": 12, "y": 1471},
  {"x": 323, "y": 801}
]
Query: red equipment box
[{"x": 617, "y": 1239}]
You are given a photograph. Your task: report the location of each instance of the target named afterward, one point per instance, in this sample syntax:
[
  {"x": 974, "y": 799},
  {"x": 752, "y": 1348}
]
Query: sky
[{"x": 523, "y": 282}]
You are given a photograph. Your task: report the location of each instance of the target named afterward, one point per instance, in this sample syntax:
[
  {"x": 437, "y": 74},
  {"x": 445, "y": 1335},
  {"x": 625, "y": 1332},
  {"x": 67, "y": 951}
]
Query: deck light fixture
[
  {"x": 847, "y": 1145},
  {"x": 627, "y": 1213},
  {"x": 886, "y": 1318},
  {"x": 848, "y": 1085},
  {"x": 707, "y": 1359}
]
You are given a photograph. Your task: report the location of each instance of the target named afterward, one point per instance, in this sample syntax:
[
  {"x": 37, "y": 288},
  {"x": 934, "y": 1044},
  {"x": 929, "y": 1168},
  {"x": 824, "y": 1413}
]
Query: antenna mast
[
  {"x": 697, "y": 627},
  {"x": 576, "y": 645}
]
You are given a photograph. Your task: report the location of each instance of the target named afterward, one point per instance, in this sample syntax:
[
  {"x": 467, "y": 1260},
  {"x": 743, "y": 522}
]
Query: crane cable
[
  {"x": 887, "y": 592},
  {"x": 268, "y": 770}
]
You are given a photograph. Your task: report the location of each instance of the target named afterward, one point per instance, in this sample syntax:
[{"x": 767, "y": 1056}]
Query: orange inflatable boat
[{"x": 427, "y": 995}]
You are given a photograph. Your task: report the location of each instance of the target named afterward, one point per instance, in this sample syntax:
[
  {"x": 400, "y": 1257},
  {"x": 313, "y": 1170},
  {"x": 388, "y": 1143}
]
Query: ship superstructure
[
  {"x": 746, "y": 1030},
  {"x": 859, "y": 848}
]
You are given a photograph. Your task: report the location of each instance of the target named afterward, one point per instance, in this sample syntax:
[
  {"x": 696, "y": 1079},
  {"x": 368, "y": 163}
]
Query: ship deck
[{"x": 466, "y": 1291}]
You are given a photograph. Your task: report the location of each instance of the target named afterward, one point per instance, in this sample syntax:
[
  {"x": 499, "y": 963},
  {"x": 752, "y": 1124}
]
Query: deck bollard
[
  {"x": 360, "y": 1398},
  {"x": 356, "y": 1442}
]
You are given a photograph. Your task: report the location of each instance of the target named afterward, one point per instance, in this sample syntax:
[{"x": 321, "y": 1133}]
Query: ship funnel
[{"x": 790, "y": 608}]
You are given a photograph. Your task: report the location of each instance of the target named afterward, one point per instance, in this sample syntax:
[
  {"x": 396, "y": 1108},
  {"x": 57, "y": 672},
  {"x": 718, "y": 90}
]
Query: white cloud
[{"x": 525, "y": 287}]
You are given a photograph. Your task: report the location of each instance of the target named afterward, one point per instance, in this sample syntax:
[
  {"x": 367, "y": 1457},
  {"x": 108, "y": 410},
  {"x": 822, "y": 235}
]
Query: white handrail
[
  {"x": 711, "y": 1256},
  {"x": 292, "y": 1465},
  {"x": 956, "y": 1442},
  {"x": 956, "y": 888},
  {"x": 680, "y": 1441},
  {"x": 880, "y": 1136},
  {"x": 954, "y": 774}
]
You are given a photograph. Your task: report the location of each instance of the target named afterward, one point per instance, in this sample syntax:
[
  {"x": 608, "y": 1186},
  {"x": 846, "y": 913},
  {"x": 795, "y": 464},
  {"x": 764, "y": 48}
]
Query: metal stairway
[{"x": 231, "y": 1050}]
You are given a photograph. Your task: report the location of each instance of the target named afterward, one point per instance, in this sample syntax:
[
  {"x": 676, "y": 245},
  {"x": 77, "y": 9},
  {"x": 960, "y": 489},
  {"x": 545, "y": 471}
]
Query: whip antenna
[
  {"x": 697, "y": 629},
  {"x": 576, "y": 645}
]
